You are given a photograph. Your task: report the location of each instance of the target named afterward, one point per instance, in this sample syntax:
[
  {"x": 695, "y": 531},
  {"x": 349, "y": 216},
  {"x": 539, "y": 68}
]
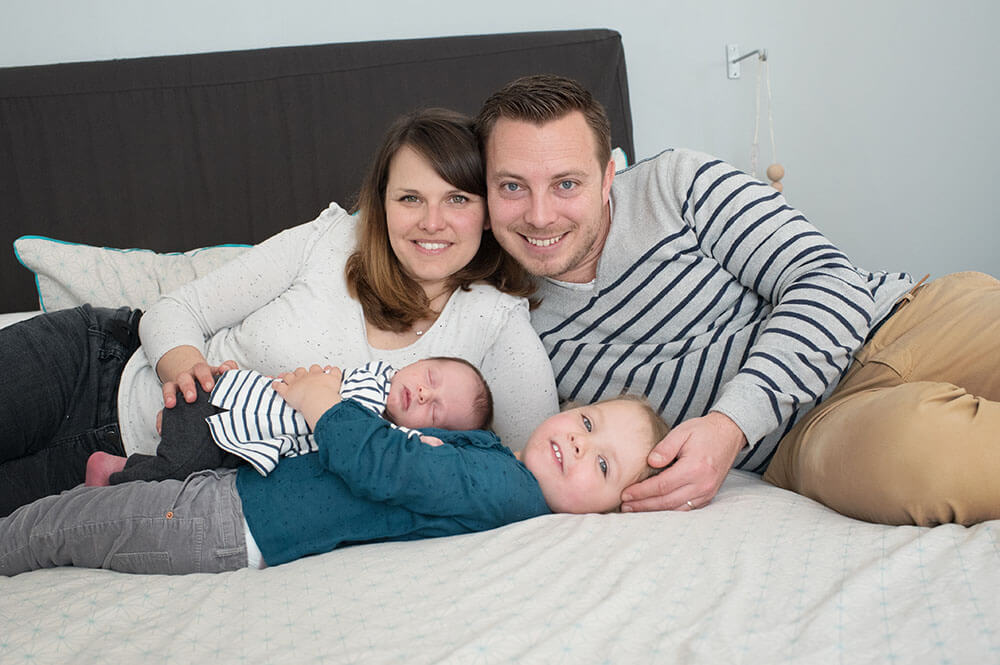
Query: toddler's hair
[{"x": 482, "y": 405}]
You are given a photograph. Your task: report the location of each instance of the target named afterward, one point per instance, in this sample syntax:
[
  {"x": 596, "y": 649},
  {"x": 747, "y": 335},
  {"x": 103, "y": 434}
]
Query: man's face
[{"x": 548, "y": 195}]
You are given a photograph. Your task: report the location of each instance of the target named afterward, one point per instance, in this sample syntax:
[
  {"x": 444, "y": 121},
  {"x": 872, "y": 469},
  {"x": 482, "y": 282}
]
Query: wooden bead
[
  {"x": 777, "y": 185},
  {"x": 775, "y": 171}
]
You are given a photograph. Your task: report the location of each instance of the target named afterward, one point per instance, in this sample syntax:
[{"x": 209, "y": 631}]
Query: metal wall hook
[{"x": 733, "y": 59}]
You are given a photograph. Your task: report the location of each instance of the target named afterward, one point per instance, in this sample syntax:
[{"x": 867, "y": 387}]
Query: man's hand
[
  {"x": 311, "y": 392},
  {"x": 699, "y": 453}
]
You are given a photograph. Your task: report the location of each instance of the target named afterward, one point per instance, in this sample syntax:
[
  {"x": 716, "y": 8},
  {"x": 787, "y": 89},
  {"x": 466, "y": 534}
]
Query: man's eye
[
  {"x": 567, "y": 185},
  {"x": 510, "y": 186},
  {"x": 603, "y": 463},
  {"x": 587, "y": 424}
]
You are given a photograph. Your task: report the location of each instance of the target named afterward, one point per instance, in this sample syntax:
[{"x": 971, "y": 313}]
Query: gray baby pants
[{"x": 167, "y": 527}]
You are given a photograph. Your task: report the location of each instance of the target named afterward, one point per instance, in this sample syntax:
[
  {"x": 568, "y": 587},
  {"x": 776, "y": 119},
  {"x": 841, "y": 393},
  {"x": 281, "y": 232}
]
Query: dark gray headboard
[{"x": 177, "y": 152}]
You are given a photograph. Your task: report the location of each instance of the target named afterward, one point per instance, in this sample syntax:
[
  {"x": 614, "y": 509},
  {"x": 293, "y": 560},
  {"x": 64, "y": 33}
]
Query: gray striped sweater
[{"x": 712, "y": 294}]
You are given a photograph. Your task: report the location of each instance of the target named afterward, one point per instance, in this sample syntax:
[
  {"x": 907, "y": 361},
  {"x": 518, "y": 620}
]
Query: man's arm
[{"x": 821, "y": 313}]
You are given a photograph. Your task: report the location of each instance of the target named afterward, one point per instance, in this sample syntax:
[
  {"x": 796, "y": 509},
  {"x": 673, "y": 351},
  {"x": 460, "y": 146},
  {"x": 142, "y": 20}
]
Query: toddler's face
[
  {"x": 434, "y": 393},
  {"x": 585, "y": 457}
]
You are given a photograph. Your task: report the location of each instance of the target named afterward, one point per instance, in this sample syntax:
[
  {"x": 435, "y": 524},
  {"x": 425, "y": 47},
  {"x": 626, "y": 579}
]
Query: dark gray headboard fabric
[{"x": 177, "y": 152}]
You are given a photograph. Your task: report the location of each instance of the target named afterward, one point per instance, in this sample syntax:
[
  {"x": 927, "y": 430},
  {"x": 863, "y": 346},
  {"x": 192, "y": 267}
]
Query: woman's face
[{"x": 434, "y": 227}]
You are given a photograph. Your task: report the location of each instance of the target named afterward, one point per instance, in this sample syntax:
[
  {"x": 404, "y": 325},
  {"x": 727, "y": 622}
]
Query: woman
[{"x": 411, "y": 275}]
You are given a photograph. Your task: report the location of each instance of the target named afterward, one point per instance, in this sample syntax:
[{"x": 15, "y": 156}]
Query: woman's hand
[
  {"x": 184, "y": 367},
  {"x": 311, "y": 392}
]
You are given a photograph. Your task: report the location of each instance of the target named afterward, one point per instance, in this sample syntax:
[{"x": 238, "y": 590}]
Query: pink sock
[{"x": 100, "y": 466}]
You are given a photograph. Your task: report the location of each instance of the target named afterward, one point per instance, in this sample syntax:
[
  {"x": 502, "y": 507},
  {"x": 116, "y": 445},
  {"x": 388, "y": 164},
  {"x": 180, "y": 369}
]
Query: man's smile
[{"x": 543, "y": 242}]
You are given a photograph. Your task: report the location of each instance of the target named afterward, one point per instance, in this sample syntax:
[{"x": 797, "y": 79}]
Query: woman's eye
[
  {"x": 459, "y": 198},
  {"x": 603, "y": 463},
  {"x": 587, "y": 425},
  {"x": 408, "y": 198}
]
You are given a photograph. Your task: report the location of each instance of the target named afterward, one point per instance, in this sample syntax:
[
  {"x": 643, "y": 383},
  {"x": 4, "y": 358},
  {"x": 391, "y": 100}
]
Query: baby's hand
[
  {"x": 311, "y": 391},
  {"x": 431, "y": 440}
]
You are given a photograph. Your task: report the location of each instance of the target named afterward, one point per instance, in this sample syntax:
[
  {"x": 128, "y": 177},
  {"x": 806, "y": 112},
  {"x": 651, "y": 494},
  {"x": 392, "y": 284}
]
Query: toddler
[
  {"x": 248, "y": 421},
  {"x": 367, "y": 482}
]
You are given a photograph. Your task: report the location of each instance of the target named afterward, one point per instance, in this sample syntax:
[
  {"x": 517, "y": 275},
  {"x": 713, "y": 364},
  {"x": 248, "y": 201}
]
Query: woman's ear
[{"x": 486, "y": 223}]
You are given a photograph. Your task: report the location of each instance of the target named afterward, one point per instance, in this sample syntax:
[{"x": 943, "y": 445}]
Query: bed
[{"x": 121, "y": 179}]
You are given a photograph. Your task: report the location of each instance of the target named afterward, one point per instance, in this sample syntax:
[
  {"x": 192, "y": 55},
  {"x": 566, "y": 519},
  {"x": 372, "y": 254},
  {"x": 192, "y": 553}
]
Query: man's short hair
[{"x": 541, "y": 98}]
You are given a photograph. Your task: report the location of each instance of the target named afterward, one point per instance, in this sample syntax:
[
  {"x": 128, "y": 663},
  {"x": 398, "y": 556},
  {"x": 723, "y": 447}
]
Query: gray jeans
[{"x": 167, "y": 527}]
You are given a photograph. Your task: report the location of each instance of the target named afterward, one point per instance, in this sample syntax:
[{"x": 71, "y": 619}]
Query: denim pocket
[{"x": 118, "y": 332}]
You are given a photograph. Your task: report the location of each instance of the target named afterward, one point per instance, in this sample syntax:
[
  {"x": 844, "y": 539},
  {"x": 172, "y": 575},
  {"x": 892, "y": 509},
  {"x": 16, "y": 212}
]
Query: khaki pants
[{"x": 912, "y": 433}]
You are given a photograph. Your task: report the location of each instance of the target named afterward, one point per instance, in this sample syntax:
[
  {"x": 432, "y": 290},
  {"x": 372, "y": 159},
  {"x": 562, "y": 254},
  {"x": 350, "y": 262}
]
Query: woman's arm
[
  {"x": 176, "y": 328},
  {"x": 519, "y": 374}
]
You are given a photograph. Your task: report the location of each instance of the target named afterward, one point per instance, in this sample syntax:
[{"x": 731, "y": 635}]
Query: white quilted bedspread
[{"x": 758, "y": 576}]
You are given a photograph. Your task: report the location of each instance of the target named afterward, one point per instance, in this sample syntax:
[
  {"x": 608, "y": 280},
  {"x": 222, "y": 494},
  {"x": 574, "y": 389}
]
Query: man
[{"x": 699, "y": 286}]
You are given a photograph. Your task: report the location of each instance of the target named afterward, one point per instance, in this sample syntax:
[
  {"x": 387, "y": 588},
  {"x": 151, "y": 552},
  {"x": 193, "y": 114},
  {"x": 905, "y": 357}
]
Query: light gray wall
[{"x": 884, "y": 110}]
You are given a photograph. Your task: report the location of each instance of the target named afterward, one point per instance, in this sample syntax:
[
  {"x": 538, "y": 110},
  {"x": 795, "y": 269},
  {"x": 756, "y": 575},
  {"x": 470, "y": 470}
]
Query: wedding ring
[{"x": 690, "y": 505}]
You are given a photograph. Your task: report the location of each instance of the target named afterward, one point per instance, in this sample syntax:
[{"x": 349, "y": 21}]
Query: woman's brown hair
[{"x": 390, "y": 298}]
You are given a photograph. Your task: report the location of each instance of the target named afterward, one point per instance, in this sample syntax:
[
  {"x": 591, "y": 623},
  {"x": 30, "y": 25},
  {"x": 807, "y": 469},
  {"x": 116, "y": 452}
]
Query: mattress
[{"x": 760, "y": 575}]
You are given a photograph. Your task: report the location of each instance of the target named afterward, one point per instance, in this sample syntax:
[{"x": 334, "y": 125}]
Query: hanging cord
[
  {"x": 770, "y": 108},
  {"x": 775, "y": 172},
  {"x": 755, "y": 146}
]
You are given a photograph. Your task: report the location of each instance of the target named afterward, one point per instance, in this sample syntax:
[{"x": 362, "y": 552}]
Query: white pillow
[
  {"x": 621, "y": 159},
  {"x": 69, "y": 274}
]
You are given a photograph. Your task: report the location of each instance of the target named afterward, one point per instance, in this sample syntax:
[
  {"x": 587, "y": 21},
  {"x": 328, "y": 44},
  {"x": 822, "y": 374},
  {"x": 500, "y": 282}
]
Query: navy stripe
[
  {"x": 636, "y": 290},
  {"x": 750, "y": 229},
  {"x": 815, "y": 324},
  {"x": 614, "y": 285},
  {"x": 712, "y": 187},
  {"x": 784, "y": 368},
  {"x": 798, "y": 259},
  {"x": 707, "y": 226},
  {"x": 694, "y": 181},
  {"x": 804, "y": 341},
  {"x": 788, "y": 265},
  {"x": 699, "y": 368},
  {"x": 848, "y": 326},
  {"x": 590, "y": 368},
  {"x": 738, "y": 216},
  {"x": 673, "y": 384},
  {"x": 830, "y": 292}
]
